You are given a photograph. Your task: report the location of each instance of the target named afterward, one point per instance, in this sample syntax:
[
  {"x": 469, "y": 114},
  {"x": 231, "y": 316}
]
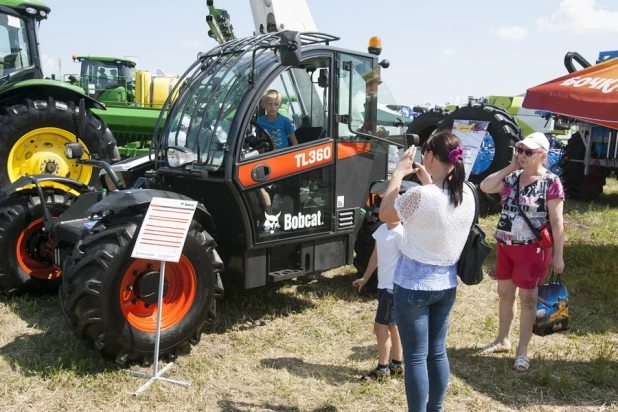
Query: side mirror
[
  {"x": 323, "y": 78},
  {"x": 290, "y": 48}
]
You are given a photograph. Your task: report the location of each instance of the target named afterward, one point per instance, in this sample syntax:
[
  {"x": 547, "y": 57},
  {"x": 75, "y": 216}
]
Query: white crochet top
[{"x": 435, "y": 231}]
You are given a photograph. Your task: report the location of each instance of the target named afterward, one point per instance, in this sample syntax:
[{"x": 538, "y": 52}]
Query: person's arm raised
[
  {"x": 494, "y": 183},
  {"x": 405, "y": 167}
]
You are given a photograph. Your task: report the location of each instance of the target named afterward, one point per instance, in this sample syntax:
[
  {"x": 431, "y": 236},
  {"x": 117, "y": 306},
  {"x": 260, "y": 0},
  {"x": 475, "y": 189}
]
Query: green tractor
[
  {"x": 37, "y": 116},
  {"x": 133, "y": 98}
]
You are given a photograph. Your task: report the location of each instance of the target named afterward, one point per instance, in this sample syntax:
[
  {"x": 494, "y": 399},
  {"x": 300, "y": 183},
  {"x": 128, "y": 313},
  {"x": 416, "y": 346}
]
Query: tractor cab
[
  {"x": 281, "y": 211},
  {"x": 109, "y": 80},
  {"x": 18, "y": 41}
]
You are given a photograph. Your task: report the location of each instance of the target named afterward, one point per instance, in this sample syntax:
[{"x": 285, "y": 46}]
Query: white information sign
[
  {"x": 165, "y": 229},
  {"x": 471, "y": 133}
]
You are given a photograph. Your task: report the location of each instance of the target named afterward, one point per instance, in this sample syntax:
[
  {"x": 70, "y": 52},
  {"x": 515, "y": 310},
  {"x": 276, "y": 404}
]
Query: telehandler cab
[{"x": 264, "y": 215}]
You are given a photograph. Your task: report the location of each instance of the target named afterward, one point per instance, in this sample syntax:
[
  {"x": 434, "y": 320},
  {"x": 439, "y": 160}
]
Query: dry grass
[{"x": 301, "y": 346}]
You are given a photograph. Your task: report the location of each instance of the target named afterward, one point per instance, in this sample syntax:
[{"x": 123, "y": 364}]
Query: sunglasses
[{"x": 528, "y": 152}]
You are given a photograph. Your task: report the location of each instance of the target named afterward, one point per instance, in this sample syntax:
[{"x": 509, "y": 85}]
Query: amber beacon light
[{"x": 375, "y": 45}]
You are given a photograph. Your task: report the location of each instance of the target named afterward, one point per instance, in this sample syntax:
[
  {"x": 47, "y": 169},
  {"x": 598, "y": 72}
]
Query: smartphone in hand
[{"x": 418, "y": 156}]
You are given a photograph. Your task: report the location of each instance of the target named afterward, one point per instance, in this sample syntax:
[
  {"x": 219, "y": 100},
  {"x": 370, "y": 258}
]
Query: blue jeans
[{"x": 422, "y": 317}]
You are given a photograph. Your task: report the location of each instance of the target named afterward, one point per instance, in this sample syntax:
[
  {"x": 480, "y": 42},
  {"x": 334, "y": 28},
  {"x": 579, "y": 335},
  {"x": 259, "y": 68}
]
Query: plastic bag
[{"x": 552, "y": 309}]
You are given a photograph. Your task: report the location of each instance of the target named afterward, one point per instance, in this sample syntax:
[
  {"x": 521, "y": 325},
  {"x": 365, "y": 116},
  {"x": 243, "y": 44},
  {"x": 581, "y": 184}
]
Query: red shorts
[{"x": 522, "y": 265}]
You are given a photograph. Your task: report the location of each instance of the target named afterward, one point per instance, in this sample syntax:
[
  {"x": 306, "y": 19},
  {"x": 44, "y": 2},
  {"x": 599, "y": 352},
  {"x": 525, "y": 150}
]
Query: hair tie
[{"x": 455, "y": 154}]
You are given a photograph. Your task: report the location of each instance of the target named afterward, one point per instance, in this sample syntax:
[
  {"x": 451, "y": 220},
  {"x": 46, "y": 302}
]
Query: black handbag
[{"x": 470, "y": 265}]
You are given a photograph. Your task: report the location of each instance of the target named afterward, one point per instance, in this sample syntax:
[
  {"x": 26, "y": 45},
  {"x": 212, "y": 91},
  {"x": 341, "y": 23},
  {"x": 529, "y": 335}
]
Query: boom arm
[
  {"x": 219, "y": 22},
  {"x": 268, "y": 16}
]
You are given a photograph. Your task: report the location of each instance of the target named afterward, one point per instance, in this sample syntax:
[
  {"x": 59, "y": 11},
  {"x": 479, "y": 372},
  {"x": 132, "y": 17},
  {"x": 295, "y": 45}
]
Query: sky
[{"x": 438, "y": 50}]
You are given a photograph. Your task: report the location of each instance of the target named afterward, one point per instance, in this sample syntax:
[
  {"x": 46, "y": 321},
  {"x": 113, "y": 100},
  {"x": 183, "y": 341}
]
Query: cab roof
[
  {"x": 126, "y": 62},
  {"x": 21, "y": 5}
]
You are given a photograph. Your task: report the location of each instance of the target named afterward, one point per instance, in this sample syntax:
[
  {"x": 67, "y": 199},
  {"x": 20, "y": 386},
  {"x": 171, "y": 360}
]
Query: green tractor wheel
[
  {"x": 32, "y": 137},
  {"x": 111, "y": 298},
  {"x": 26, "y": 252}
]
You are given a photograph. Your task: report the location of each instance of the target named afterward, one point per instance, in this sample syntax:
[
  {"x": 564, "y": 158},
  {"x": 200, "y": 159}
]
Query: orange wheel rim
[
  {"x": 30, "y": 260},
  {"x": 141, "y": 311}
]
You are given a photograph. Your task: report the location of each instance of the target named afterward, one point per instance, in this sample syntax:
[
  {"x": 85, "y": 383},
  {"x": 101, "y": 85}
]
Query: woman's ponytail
[{"x": 447, "y": 148}]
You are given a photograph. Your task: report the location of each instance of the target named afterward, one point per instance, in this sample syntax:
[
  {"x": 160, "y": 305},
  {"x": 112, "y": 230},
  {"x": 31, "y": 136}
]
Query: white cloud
[
  {"x": 448, "y": 52},
  {"x": 581, "y": 17},
  {"x": 512, "y": 33},
  {"x": 49, "y": 65},
  {"x": 192, "y": 44}
]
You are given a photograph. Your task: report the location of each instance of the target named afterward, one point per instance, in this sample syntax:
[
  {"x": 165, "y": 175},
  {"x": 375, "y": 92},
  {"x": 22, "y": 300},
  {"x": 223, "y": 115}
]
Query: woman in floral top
[{"x": 520, "y": 263}]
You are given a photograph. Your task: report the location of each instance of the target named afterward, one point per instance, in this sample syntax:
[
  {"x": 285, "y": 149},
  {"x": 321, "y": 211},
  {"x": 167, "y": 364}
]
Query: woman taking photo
[
  {"x": 526, "y": 187},
  {"x": 436, "y": 218}
]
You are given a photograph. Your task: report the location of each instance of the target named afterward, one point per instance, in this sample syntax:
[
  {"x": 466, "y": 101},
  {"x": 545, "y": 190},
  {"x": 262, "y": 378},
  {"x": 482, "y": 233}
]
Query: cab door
[
  {"x": 360, "y": 160},
  {"x": 290, "y": 192}
]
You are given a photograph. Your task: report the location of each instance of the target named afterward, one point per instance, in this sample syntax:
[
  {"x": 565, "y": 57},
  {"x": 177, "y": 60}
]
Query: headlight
[
  {"x": 179, "y": 156},
  {"x": 31, "y": 10},
  {"x": 73, "y": 150}
]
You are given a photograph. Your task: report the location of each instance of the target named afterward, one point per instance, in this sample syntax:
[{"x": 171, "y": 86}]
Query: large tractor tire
[
  {"x": 425, "y": 123},
  {"x": 111, "y": 298},
  {"x": 363, "y": 248},
  {"x": 576, "y": 184},
  {"x": 33, "y": 132},
  {"x": 505, "y": 134},
  {"x": 26, "y": 253}
]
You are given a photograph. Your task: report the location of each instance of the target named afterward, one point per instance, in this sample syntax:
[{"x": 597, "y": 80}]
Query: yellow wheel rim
[{"x": 41, "y": 151}]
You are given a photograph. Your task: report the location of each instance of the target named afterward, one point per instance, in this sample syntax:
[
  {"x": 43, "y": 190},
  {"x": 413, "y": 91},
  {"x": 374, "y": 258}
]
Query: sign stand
[{"x": 166, "y": 219}]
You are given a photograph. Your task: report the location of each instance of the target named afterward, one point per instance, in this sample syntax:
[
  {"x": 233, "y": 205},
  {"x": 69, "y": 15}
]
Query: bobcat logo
[{"x": 272, "y": 222}]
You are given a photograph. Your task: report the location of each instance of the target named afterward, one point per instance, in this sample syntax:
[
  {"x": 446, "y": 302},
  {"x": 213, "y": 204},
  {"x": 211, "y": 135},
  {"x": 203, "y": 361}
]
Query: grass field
[{"x": 301, "y": 346}]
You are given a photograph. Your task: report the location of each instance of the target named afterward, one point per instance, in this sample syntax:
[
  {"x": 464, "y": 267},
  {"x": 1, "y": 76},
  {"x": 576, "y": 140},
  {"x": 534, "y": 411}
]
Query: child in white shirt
[{"x": 389, "y": 239}]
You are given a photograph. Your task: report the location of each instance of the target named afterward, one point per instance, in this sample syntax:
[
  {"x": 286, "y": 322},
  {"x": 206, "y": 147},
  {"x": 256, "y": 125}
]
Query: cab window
[
  {"x": 304, "y": 97},
  {"x": 364, "y": 83},
  {"x": 14, "y": 50}
]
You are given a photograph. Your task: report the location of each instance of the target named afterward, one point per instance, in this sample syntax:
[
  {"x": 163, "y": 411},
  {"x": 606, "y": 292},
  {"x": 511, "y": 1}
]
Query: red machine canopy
[{"x": 590, "y": 94}]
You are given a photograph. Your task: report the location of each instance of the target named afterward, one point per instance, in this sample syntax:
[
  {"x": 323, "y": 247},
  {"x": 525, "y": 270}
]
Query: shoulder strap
[
  {"x": 535, "y": 231},
  {"x": 476, "y": 203}
]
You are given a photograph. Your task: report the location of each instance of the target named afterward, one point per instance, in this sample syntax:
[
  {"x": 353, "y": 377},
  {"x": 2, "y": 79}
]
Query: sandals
[
  {"x": 522, "y": 364},
  {"x": 493, "y": 348}
]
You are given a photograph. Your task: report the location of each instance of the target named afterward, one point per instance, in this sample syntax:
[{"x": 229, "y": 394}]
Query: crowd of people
[
  {"x": 418, "y": 247},
  {"x": 420, "y": 243}
]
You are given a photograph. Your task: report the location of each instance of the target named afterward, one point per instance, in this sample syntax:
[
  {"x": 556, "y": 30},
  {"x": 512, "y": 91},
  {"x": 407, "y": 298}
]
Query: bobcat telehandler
[{"x": 264, "y": 215}]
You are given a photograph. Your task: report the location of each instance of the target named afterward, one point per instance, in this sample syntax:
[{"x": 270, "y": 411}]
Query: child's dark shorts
[{"x": 386, "y": 310}]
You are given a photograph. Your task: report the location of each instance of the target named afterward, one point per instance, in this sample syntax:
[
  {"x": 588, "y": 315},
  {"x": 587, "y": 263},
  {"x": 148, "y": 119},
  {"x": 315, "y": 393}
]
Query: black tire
[
  {"x": 363, "y": 248},
  {"x": 425, "y": 124},
  {"x": 576, "y": 184},
  {"x": 502, "y": 128},
  {"x": 27, "y": 262},
  {"x": 101, "y": 262},
  {"x": 489, "y": 203},
  {"x": 22, "y": 116},
  {"x": 505, "y": 133}
]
